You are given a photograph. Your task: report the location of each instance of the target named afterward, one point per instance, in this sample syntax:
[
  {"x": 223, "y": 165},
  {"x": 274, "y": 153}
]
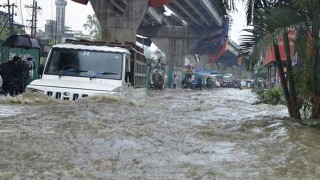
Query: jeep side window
[{"x": 53, "y": 65}]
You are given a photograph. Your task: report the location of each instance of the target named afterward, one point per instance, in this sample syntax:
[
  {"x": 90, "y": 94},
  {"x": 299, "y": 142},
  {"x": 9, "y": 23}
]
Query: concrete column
[
  {"x": 175, "y": 41},
  {"x": 175, "y": 49},
  {"x": 117, "y": 27}
]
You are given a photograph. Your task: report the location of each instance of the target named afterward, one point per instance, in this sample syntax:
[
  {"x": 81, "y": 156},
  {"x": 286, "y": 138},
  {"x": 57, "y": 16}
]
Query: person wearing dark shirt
[
  {"x": 19, "y": 73},
  {"x": 12, "y": 76},
  {"x": 6, "y": 72}
]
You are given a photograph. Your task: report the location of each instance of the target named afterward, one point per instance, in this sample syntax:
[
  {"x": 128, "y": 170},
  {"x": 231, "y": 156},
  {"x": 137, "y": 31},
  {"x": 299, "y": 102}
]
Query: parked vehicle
[
  {"x": 197, "y": 84},
  {"x": 78, "y": 69},
  {"x": 158, "y": 77},
  {"x": 213, "y": 80},
  {"x": 227, "y": 80}
]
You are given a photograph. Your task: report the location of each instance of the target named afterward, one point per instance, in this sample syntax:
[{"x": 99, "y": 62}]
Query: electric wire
[{"x": 21, "y": 15}]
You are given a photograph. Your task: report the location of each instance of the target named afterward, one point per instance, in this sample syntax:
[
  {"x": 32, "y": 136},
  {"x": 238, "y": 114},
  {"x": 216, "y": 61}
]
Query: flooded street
[{"x": 174, "y": 134}]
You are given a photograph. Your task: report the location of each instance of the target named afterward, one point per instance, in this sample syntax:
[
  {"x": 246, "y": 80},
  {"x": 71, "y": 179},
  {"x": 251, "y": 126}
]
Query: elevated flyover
[{"x": 195, "y": 27}]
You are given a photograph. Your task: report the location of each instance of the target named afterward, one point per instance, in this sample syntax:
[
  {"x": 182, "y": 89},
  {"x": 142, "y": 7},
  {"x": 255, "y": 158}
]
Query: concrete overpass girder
[
  {"x": 185, "y": 11},
  {"x": 175, "y": 31},
  {"x": 204, "y": 19},
  {"x": 158, "y": 18},
  {"x": 213, "y": 13},
  {"x": 120, "y": 27}
]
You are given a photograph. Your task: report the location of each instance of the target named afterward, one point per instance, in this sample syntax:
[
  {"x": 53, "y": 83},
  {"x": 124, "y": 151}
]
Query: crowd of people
[
  {"x": 13, "y": 74},
  {"x": 193, "y": 80}
]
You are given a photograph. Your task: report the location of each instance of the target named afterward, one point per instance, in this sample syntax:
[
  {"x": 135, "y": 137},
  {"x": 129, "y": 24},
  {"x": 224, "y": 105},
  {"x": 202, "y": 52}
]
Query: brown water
[{"x": 174, "y": 134}]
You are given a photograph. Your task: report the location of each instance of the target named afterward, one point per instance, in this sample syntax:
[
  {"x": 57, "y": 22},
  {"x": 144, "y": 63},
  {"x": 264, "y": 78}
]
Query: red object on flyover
[
  {"x": 222, "y": 50},
  {"x": 81, "y": 1},
  {"x": 159, "y": 3}
]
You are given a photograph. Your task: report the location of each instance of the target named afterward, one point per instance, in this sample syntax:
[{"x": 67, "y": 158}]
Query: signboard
[{"x": 270, "y": 56}]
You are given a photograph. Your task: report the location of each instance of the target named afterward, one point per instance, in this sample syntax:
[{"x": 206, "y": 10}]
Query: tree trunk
[
  {"x": 292, "y": 86},
  {"x": 315, "y": 100},
  {"x": 283, "y": 79}
]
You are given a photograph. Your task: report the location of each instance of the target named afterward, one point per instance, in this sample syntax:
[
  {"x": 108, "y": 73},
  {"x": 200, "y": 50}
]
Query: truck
[
  {"x": 227, "y": 80},
  {"x": 158, "y": 78},
  {"x": 80, "y": 68}
]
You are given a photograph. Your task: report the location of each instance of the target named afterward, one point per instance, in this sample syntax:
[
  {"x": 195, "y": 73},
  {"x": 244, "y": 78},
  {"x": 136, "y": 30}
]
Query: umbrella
[{"x": 21, "y": 41}]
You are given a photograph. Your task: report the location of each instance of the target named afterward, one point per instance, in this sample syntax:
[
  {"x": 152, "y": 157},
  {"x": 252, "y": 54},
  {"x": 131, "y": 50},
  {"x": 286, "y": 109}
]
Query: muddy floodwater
[{"x": 173, "y": 134}]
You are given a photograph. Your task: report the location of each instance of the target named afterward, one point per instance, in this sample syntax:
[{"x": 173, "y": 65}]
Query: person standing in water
[{"x": 174, "y": 81}]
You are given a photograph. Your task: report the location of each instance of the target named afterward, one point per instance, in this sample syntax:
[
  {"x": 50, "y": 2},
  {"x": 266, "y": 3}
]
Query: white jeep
[{"x": 76, "y": 70}]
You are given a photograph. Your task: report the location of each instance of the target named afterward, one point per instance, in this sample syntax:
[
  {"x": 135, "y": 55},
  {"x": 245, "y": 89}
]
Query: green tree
[
  {"x": 5, "y": 31},
  {"x": 159, "y": 54},
  {"x": 41, "y": 33},
  {"x": 92, "y": 25},
  {"x": 273, "y": 21},
  {"x": 268, "y": 25}
]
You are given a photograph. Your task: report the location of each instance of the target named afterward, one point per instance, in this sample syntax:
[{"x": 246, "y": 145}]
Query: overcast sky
[{"x": 76, "y": 15}]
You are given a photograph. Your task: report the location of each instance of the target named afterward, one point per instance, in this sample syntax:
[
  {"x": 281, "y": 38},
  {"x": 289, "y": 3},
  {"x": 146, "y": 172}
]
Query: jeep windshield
[{"x": 84, "y": 63}]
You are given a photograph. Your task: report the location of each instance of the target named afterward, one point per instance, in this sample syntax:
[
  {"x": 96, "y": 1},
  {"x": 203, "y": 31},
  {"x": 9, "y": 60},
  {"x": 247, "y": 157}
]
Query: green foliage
[
  {"x": 262, "y": 73},
  {"x": 223, "y": 6},
  {"x": 92, "y": 25},
  {"x": 307, "y": 100},
  {"x": 41, "y": 33},
  {"x": 272, "y": 96},
  {"x": 159, "y": 54},
  {"x": 5, "y": 33}
]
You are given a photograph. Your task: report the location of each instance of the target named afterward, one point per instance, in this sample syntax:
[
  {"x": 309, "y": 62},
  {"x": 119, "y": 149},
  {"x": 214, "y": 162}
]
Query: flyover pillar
[
  {"x": 175, "y": 41},
  {"x": 175, "y": 49},
  {"x": 119, "y": 26}
]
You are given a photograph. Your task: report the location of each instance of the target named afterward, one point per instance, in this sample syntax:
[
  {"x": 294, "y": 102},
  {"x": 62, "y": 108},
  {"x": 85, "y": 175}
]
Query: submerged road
[{"x": 175, "y": 134}]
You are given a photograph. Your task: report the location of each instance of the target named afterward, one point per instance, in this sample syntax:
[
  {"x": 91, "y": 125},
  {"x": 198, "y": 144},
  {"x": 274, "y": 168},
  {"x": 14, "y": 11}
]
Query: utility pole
[
  {"x": 35, "y": 10},
  {"x": 10, "y": 18},
  {"x": 11, "y": 14}
]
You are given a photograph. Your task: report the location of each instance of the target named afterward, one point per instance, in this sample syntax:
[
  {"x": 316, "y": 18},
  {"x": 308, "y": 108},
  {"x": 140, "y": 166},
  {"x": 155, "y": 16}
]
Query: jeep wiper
[
  {"x": 63, "y": 72},
  {"x": 99, "y": 74}
]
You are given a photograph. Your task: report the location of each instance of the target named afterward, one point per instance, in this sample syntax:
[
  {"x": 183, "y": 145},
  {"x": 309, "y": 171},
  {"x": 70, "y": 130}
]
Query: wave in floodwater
[{"x": 173, "y": 134}]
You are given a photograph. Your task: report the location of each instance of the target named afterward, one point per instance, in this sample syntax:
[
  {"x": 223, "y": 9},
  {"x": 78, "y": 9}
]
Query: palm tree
[
  {"x": 272, "y": 19},
  {"x": 311, "y": 9},
  {"x": 267, "y": 27},
  {"x": 303, "y": 20},
  {"x": 253, "y": 41}
]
